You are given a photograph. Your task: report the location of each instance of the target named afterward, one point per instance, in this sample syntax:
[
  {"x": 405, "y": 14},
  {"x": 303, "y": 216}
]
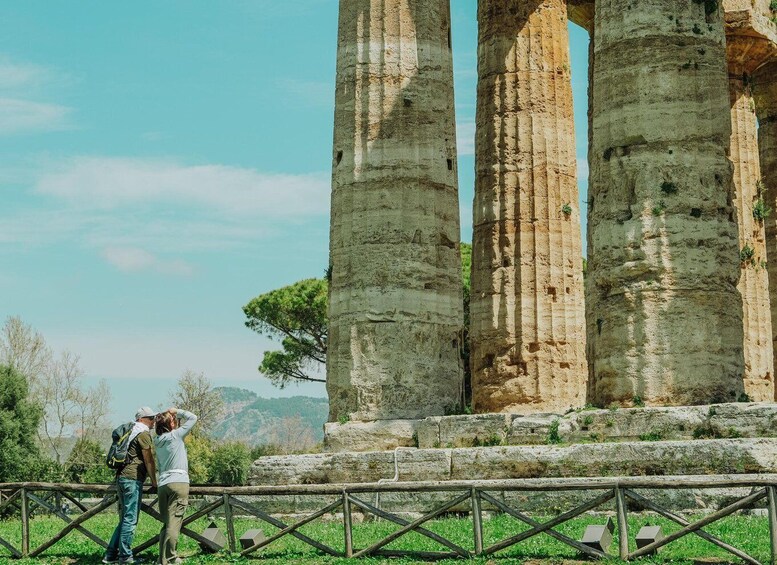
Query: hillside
[{"x": 286, "y": 421}]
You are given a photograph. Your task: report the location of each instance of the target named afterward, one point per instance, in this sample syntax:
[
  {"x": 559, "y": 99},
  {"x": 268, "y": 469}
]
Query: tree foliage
[
  {"x": 86, "y": 464},
  {"x": 20, "y": 458},
  {"x": 297, "y": 315},
  {"x": 55, "y": 384},
  {"x": 195, "y": 393},
  {"x": 24, "y": 349}
]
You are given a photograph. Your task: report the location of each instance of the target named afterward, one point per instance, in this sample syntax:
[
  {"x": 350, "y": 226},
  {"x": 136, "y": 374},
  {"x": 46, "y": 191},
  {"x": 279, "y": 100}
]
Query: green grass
[{"x": 748, "y": 533}]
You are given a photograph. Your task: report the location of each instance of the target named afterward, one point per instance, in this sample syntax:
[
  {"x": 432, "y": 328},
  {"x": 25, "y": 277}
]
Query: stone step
[
  {"x": 697, "y": 457},
  {"x": 734, "y": 420}
]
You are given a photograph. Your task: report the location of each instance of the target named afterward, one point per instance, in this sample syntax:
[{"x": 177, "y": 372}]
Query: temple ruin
[
  {"x": 672, "y": 333},
  {"x": 679, "y": 305}
]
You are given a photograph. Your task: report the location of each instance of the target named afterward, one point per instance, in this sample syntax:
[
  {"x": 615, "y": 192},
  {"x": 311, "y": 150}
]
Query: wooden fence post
[
  {"x": 348, "y": 525},
  {"x": 623, "y": 524},
  {"x": 25, "y": 523},
  {"x": 477, "y": 521},
  {"x": 230, "y": 523},
  {"x": 772, "y": 497}
]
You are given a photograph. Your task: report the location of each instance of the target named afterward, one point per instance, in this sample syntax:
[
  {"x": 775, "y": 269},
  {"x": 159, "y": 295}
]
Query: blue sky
[{"x": 161, "y": 163}]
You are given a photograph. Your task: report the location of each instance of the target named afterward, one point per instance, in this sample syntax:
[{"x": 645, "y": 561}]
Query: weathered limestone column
[
  {"x": 747, "y": 50},
  {"x": 395, "y": 303},
  {"x": 765, "y": 89},
  {"x": 665, "y": 323},
  {"x": 526, "y": 307}
]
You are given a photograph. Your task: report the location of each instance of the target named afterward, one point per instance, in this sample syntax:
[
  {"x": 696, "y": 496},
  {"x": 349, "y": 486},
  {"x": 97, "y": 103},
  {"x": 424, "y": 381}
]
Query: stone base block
[
  {"x": 616, "y": 425},
  {"x": 699, "y": 457}
]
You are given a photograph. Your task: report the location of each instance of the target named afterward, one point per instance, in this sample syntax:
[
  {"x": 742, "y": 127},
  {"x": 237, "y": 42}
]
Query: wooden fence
[{"x": 27, "y": 499}]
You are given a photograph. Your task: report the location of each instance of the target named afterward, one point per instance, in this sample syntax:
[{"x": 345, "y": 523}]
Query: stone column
[
  {"x": 765, "y": 89},
  {"x": 395, "y": 302},
  {"x": 526, "y": 307},
  {"x": 748, "y": 49},
  {"x": 665, "y": 323}
]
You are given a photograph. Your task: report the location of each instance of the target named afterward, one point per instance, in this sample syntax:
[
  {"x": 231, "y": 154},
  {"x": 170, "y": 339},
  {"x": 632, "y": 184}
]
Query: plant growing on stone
[
  {"x": 553, "y": 436},
  {"x": 638, "y": 402},
  {"x": 651, "y": 436},
  {"x": 760, "y": 210},
  {"x": 773, "y": 6},
  {"x": 567, "y": 209},
  {"x": 747, "y": 254},
  {"x": 659, "y": 208}
]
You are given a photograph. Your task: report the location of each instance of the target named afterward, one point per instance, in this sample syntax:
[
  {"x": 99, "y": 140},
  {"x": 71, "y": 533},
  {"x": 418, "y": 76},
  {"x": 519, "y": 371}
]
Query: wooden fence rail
[{"x": 27, "y": 499}]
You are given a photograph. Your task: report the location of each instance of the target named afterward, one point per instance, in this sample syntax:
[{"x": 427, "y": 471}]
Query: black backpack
[{"x": 117, "y": 454}]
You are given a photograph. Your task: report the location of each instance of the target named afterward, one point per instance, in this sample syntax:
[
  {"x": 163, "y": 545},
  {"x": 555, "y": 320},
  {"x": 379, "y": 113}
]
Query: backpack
[{"x": 117, "y": 454}]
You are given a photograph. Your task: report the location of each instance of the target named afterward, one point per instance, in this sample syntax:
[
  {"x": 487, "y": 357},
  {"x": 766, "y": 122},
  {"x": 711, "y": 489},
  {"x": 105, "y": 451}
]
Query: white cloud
[
  {"x": 20, "y": 116},
  {"x": 19, "y": 82},
  {"x": 134, "y": 259},
  {"x": 465, "y": 137},
  {"x": 16, "y": 75},
  {"x": 111, "y": 182}
]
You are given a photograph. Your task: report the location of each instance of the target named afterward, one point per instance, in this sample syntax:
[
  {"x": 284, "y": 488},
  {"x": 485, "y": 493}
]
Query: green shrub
[
  {"x": 567, "y": 209},
  {"x": 229, "y": 464}
]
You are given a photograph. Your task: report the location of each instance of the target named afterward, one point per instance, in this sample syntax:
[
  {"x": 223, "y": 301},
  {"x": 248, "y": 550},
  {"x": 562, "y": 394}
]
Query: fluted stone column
[
  {"x": 526, "y": 307},
  {"x": 765, "y": 89},
  {"x": 665, "y": 322},
  {"x": 751, "y": 205},
  {"x": 748, "y": 48},
  {"x": 395, "y": 303}
]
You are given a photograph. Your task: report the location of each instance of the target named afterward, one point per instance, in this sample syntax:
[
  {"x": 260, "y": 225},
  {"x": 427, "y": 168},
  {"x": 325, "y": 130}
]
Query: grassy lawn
[{"x": 748, "y": 533}]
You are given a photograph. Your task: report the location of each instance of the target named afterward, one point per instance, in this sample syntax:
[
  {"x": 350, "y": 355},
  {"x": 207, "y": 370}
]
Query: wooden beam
[
  {"x": 25, "y": 523},
  {"x": 57, "y": 512},
  {"x": 347, "y": 525},
  {"x": 74, "y": 524},
  {"x": 730, "y": 509},
  {"x": 650, "y": 505},
  {"x": 477, "y": 521},
  {"x": 590, "y": 551},
  {"x": 287, "y": 530},
  {"x": 623, "y": 524},
  {"x": 413, "y": 526},
  {"x": 402, "y": 522},
  {"x": 207, "y": 509},
  {"x": 773, "y": 522},
  {"x": 544, "y": 484},
  {"x": 590, "y": 505},
  {"x": 251, "y": 509}
]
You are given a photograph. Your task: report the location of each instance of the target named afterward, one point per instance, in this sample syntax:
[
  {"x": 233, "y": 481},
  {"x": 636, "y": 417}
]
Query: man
[{"x": 129, "y": 487}]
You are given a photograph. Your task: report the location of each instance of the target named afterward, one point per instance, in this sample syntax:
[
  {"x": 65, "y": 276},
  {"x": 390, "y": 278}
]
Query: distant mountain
[{"x": 293, "y": 422}]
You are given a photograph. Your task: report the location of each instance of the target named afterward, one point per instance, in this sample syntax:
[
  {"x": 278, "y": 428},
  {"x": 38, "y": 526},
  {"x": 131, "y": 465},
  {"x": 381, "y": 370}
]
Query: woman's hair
[{"x": 163, "y": 423}]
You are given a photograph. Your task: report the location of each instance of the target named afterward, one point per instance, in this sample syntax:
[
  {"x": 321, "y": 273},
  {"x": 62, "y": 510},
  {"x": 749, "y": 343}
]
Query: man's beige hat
[{"x": 144, "y": 412}]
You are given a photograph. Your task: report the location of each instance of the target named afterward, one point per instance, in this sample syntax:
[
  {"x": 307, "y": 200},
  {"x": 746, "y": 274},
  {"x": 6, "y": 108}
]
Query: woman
[{"x": 173, "y": 481}]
